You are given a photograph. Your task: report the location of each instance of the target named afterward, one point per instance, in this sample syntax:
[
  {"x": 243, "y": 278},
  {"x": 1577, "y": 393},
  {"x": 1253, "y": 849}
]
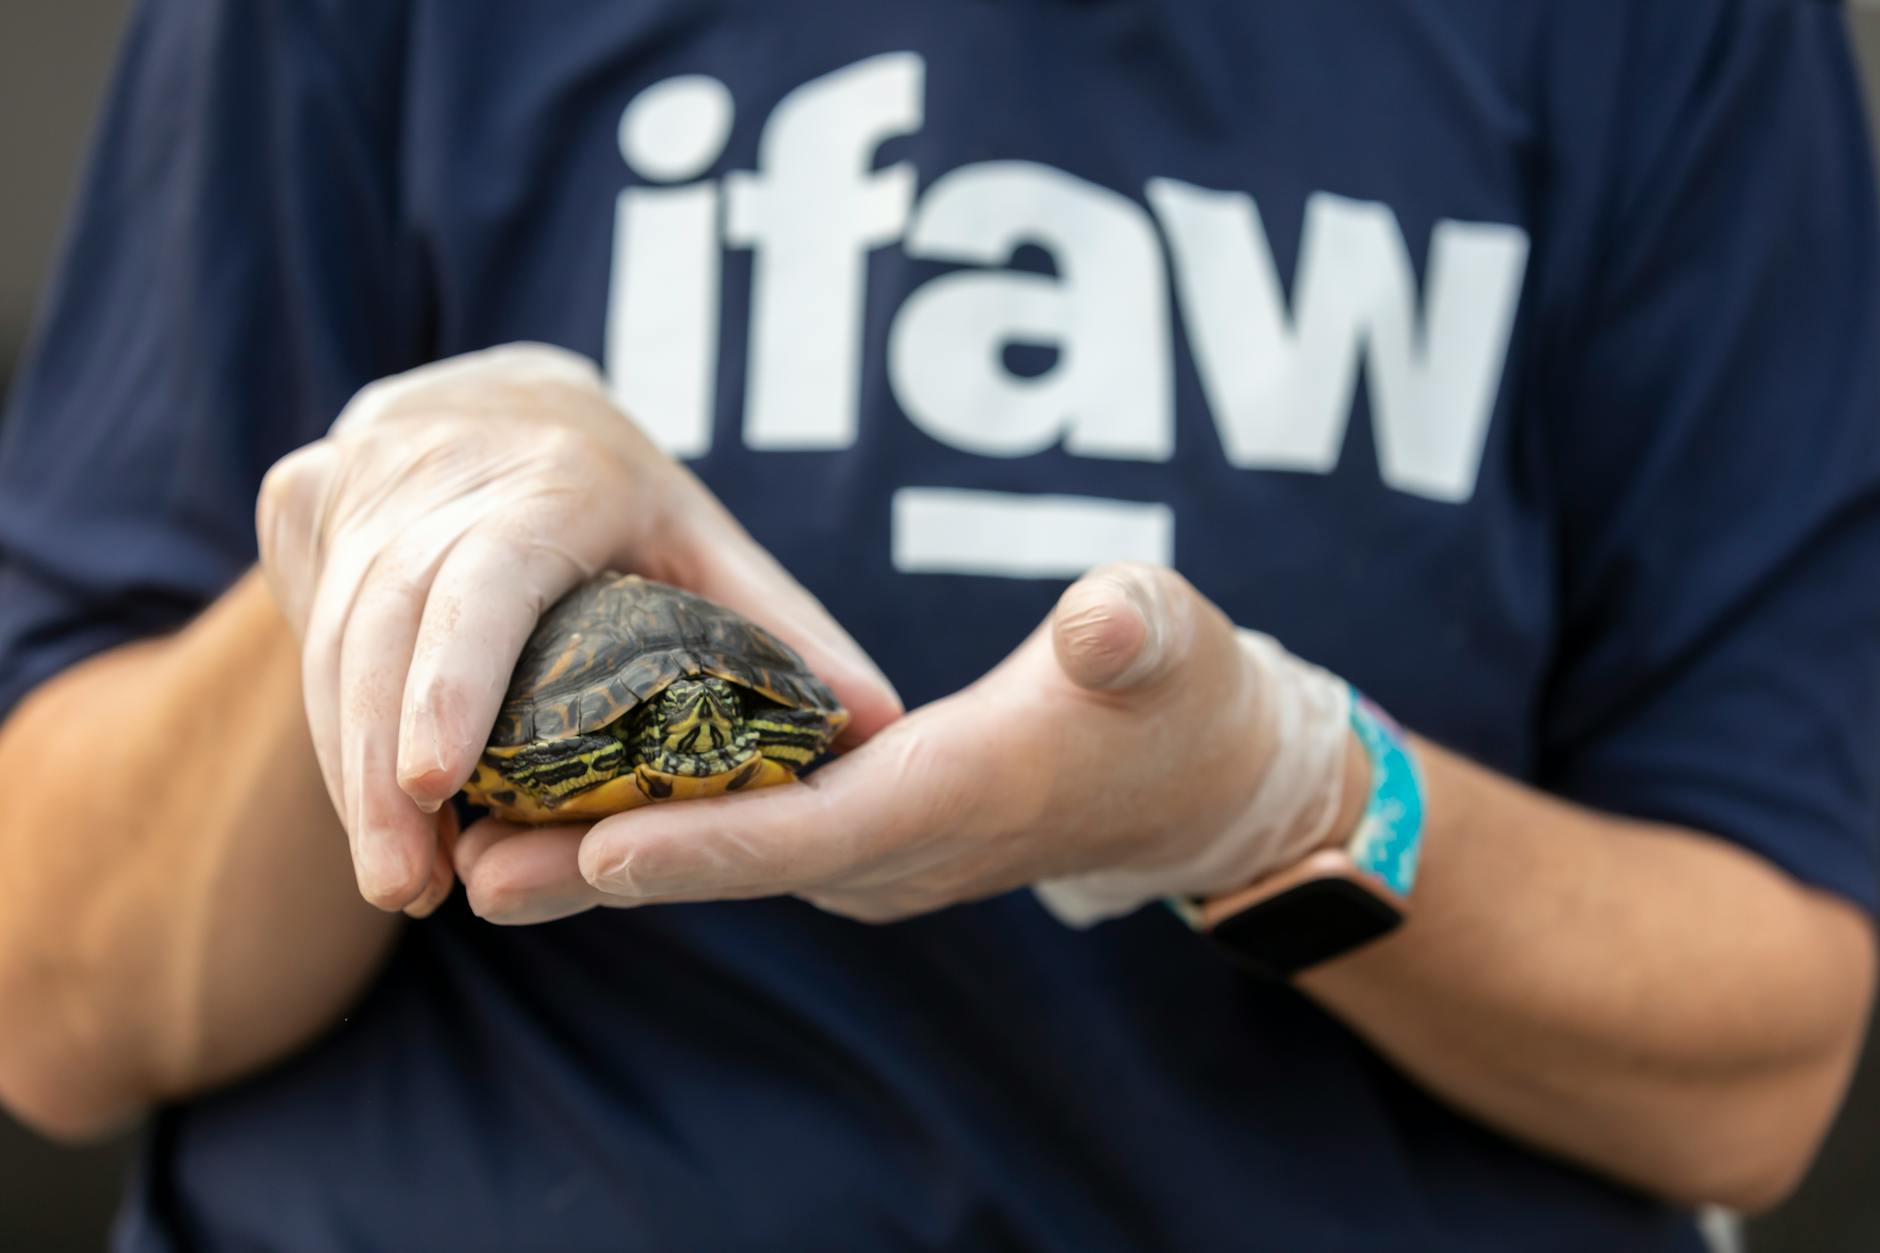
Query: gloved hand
[
  {"x": 1135, "y": 746},
  {"x": 415, "y": 546}
]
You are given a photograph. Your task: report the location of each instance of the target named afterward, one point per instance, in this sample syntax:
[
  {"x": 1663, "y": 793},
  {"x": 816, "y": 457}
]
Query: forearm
[
  {"x": 179, "y": 905},
  {"x": 1657, "y": 1005}
]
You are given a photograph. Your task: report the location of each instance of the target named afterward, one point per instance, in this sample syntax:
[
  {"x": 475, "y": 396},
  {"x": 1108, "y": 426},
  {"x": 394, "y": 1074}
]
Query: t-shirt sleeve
[
  {"x": 1715, "y": 444},
  {"x": 232, "y": 273}
]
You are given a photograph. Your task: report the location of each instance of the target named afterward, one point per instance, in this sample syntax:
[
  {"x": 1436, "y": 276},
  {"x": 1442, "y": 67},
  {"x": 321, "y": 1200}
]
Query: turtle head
[{"x": 695, "y": 716}]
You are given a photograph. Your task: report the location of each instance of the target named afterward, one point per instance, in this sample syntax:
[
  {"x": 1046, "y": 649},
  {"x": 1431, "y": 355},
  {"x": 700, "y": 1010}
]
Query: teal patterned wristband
[{"x": 1390, "y": 833}]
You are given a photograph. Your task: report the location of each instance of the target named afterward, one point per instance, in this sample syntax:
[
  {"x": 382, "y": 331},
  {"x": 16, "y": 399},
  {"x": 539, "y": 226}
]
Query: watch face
[{"x": 1308, "y": 923}]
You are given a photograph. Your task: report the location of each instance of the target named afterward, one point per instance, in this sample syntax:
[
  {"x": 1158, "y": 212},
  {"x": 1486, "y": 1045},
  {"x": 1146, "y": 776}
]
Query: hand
[
  {"x": 415, "y": 546},
  {"x": 1136, "y": 745}
]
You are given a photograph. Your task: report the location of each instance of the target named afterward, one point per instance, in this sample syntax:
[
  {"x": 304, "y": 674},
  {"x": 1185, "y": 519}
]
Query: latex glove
[
  {"x": 1135, "y": 746},
  {"x": 415, "y": 546}
]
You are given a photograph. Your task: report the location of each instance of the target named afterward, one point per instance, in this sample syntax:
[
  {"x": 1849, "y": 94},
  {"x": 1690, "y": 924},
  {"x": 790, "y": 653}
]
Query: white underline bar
[{"x": 945, "y": 530}]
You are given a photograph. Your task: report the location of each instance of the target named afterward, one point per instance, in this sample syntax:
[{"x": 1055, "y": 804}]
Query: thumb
[{"x": 1123, "y": 627}]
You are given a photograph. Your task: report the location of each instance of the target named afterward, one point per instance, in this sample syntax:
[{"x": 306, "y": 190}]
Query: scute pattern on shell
[{"x": 619, "y": 639}]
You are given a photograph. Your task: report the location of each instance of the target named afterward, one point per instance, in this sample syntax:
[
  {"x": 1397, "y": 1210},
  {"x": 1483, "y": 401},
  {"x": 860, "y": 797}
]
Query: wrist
[
  {"x": 1353, "y": 886},
  {"x": 1316, "y": 833},
  {"x": 1354, "y": 795}
]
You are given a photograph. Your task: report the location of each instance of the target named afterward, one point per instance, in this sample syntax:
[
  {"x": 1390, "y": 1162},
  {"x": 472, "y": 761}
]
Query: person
[{"x": 1513, "y": 366}]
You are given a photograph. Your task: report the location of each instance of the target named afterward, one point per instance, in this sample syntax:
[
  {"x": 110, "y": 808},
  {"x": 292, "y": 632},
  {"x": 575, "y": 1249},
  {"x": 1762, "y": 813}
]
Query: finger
[
  {"x": 1123, "y": 627},
  {"x": 886, "y": 797},
  {"x": 288, "y": 518},
  {"x": 476, "y": 840},
  {"x": 394, "y": 842},
  {"x": 443, "y": 876},
  {"x": 481, "y": 381},
  {"x": 870, "y": 907},
  {"x": 332, "y": 603},
  {"x": 732, "y": 569},
  {"x": 485, "y": 599},
  {"x": 514, "y": 875},
  {"x": 319, "y": 684}
]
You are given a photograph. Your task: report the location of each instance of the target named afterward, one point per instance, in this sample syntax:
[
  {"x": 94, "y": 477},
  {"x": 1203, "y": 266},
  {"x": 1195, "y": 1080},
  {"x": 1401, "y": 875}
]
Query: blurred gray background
[{"x": 54, "y": 56}]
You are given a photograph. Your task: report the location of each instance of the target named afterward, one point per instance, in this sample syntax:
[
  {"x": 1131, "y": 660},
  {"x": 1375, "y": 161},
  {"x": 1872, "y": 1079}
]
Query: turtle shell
[{"x": 619, "y": 639}]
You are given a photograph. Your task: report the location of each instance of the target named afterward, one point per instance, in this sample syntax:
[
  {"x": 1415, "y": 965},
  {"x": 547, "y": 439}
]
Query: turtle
[{"x": 631, "y": 691}]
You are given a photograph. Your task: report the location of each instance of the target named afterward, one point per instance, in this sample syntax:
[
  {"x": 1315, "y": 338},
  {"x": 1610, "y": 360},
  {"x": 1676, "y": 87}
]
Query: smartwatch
[{"x": 1336, "y": 899}]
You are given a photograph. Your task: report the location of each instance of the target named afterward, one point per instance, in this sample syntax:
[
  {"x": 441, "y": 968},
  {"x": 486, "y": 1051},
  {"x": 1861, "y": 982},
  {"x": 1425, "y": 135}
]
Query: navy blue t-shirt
[{"x": 1519, "y": 362}]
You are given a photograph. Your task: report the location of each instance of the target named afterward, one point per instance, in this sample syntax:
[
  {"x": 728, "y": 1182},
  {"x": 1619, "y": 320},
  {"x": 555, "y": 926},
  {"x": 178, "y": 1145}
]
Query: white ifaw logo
[{"x": 1278, "y": 380}]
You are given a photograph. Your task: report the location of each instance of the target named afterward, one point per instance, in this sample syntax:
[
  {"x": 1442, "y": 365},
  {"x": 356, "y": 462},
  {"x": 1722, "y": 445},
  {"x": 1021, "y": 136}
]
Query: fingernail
[
  {"x": 435, "y": 895},
  {"x": 420, "y": 744},
  {"x": 617, "y": 876},
  {"x": 625, "y": 874},
  {"x": 1146, "y": 596},
  {"x": 382, "y": 875},
  {"x": 1106, "y": 632}
]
